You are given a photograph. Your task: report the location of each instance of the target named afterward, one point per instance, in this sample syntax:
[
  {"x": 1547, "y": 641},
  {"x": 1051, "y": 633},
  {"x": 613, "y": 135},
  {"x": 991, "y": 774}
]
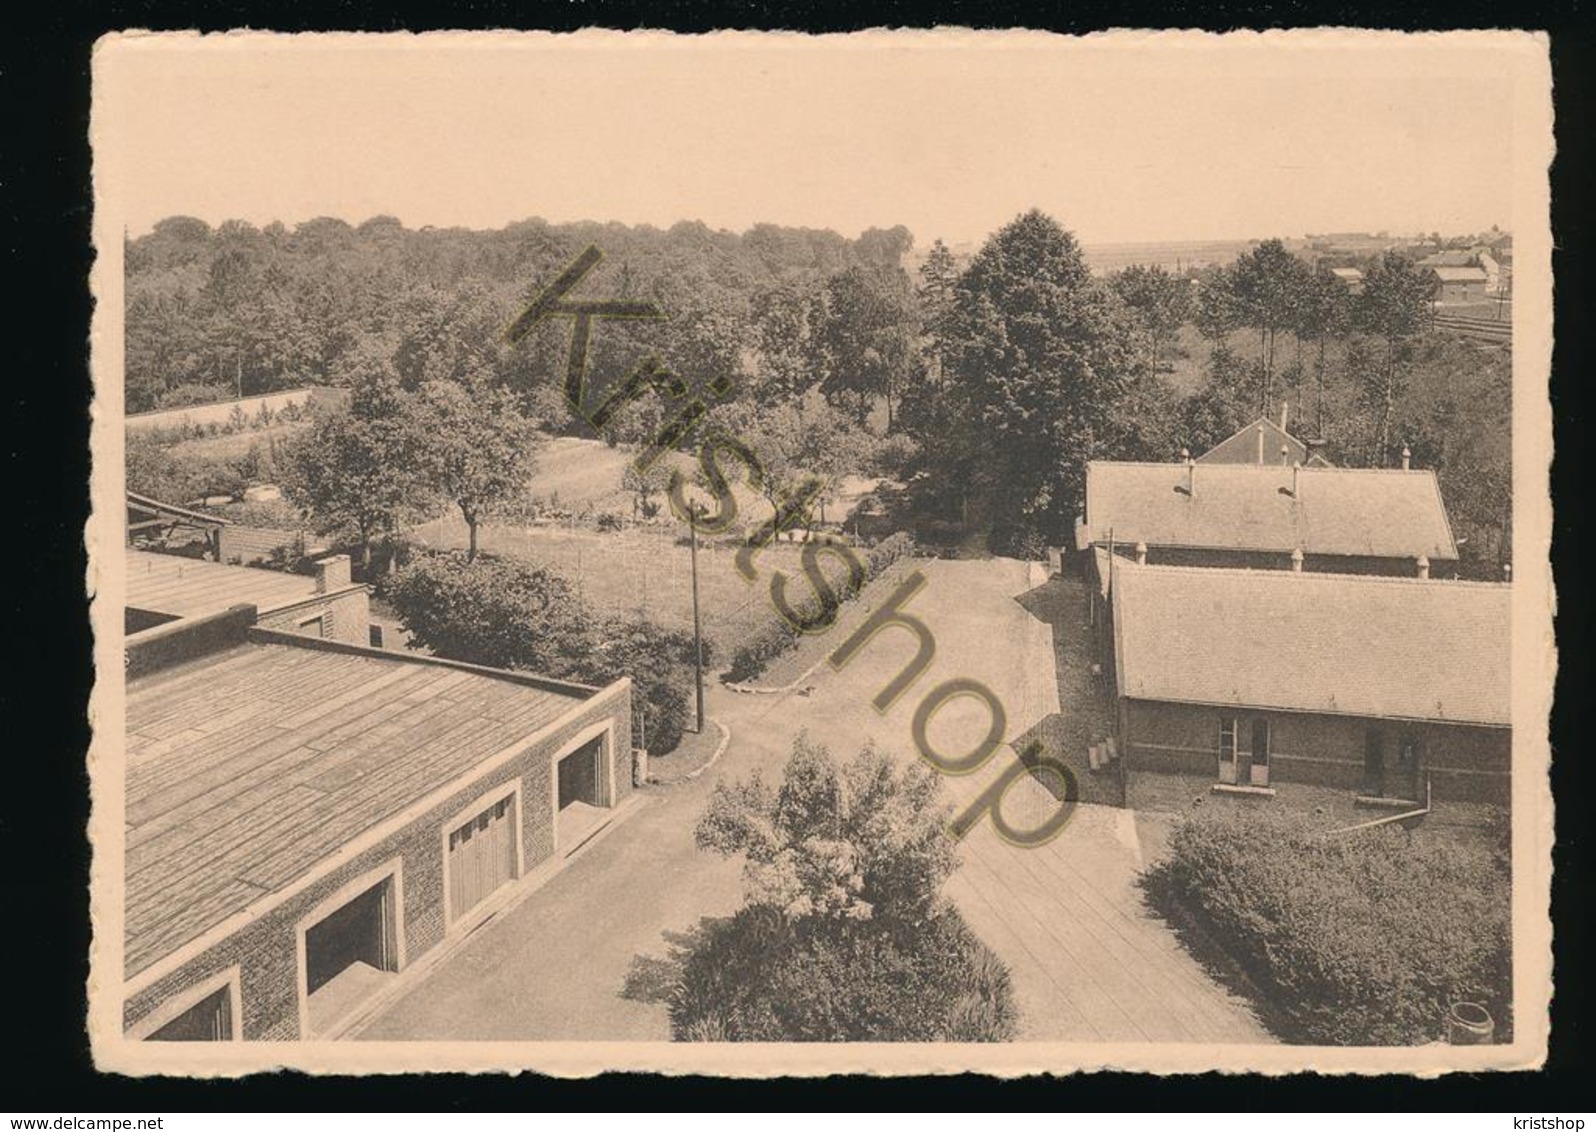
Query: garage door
[{"x": 481, "y": 856}]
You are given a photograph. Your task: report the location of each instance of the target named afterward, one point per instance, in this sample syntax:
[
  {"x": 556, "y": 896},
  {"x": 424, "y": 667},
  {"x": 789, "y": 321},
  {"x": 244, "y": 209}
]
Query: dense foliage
[
  {"x": 506, "y": 613},
  {"x": 1353, "y": 939},
  {"x": 843, "y": 935},
  {"x": 984, "y": 382}
]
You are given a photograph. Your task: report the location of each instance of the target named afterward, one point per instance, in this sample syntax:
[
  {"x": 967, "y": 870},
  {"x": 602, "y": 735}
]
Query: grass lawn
[{"x": 644, "y": 570}]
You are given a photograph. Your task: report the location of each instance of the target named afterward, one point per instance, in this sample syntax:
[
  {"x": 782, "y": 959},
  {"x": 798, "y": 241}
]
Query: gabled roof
[
  {"x": 1456, "y": 257},
  {"x": 1241, "y": 447},
  {"x": 1389, "y": 648},
  {"x": 190, "y": 587},
  {"x": 1336, "y": 511},
  {"x": 1459, "y": 274},
  {"x": 249, "y": 767},
  {"x": 1349, "y": 273}
]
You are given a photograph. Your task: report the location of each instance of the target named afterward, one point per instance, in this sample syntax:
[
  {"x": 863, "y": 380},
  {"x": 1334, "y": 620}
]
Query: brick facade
[{"x": 265, "y": 950}]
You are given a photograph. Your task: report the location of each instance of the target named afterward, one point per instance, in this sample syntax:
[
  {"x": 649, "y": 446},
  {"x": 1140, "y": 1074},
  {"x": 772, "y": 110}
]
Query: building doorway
[
  {"x": 1374, "y": 763},
  {"x": 208, "y": 1020},
  {"x": 349, "y": 953},
  {"x": 581, "y": 798},
  {"x": 482, "y": 856},
  {"x": 1258, "y": 755}
]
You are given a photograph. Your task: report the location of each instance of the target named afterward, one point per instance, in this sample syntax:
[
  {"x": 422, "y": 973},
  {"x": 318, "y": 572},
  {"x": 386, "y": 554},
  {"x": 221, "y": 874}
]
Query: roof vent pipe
[
  {"x": 1407, "y": 457},
  {"x": 1296, "y": 560},
  {"x": 1260, "y": 442},
  {"x": 1285, "y": 408},
  {"x": 1424, "y": 566},
  {"x": 1141, "y": 554}
]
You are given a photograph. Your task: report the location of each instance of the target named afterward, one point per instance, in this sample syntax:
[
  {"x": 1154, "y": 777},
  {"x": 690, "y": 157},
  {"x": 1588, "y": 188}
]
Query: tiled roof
[
  {"x": 1390, "y": 648},
  {"x": 1344, "y": 511},
  {"x": 190, "y": 587},
  {"x": 1454, "y": 258},
  {"x": 1242, "y": 446}
]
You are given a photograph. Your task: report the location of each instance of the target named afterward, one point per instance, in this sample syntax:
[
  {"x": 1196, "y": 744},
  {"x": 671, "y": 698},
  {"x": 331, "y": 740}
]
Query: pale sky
[{"x": 1119, "y": 139}]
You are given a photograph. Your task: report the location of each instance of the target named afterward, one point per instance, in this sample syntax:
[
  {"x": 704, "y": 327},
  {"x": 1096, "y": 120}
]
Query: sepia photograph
[{"x": 768, "y": 553}]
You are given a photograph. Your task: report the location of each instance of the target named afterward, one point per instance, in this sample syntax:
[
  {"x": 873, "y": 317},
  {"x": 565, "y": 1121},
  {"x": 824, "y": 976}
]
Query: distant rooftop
[
  {"x": 1390, "y": 648},
  {"x": 1460, "y": 274},
  {"x": 1336, "y": 511},
  {"x": 190, "y": 587},
  {"x": 248, "y": 767}
]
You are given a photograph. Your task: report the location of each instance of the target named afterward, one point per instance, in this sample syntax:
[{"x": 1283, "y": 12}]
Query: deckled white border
[{"x": 1520, "y": 55}]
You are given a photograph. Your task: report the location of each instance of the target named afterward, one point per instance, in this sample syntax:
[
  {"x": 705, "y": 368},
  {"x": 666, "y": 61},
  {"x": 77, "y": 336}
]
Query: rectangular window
[
  {"x": 1227, "y": 749},
  {"x": 314, "y": 626}
]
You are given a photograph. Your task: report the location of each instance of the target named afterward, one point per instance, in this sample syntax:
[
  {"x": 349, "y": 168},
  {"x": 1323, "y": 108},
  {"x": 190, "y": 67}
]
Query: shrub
[
  {"x": 843, "y": 935},
  {"x": 768, "y": 642},
  {"x": 894, "y": 456},
  {"x": 1353, "y": 939},
  {"x": 509, "y": 614},
  {"x": 754, "y": 978}
]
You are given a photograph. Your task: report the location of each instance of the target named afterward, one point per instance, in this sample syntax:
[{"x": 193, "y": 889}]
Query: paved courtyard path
[{"x": 1089, "y": 962}]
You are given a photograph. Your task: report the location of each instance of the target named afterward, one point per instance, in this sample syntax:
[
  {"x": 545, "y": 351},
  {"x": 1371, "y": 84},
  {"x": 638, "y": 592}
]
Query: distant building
[
  {"x": 154, "y": 524},
  {"x": 163, "y": 590},
  {"x": 306, "y": 819},
  {"x": 1384, "y": 687},
  {"x": 1271, "y": 517},
  {"x": 1265, "y": 442},
  {"x": 1459, "y": 284},
  {"x": 1351, "y": 276}
]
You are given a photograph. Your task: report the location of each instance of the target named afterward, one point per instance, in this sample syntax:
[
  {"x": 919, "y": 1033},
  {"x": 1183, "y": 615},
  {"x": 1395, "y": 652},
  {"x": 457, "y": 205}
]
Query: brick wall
[
  {"x": 347, "y": 613},
  {"x": 265, "y": 950},
  {"x": 1464, "y": 763}
]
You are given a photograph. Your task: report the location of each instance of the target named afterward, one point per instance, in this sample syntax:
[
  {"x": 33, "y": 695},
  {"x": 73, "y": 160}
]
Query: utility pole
[{"x": 698, "y": 639}]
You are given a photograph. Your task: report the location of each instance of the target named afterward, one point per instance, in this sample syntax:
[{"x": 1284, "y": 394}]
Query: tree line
[{"x": 983, "y": 385}]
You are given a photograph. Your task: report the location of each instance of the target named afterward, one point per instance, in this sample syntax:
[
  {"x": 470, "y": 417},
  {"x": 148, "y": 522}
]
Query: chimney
[
  {"x": 332, "y": 573},
  {"x": 1141, "y": 554},
  {"x": 1296, "y": 470},
  {"x": 1260, "y": 442},
  {"x": 1407, "y": 457},
  {"x": 1507, "y": 571},
  {"x": 1296, "y": 560},
  {"x": 1285, "y": 409},
  {"x": 1424, "y": 566},
  {"x": 1191, "y": 477}
]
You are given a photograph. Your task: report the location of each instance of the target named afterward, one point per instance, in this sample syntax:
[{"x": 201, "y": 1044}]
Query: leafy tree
[
  {"x": 645, "y": 485},
  {"x": 1324, "y": 312},
  {"x": 359, "y": 468},
  {"x": 1394, "y": 307},
  {"x": 1161, "y": 301},
  {"x": 1044, "y": 365},
  {"x": 476, "y": 449},
  {"x": 866, "y": 337},
  {"x": 938, "y": 275},
  {"x": 1268, "y": 284},
  {"x": 1223, "y": 404},
  {"x": 843, "y": 934},
  {"x": 784, "y": 325}
]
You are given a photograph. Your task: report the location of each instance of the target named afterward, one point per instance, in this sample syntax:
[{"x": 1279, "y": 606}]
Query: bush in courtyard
[
  {"x": 843, "y": 935},
  {"x": 1354, "y": 939}
]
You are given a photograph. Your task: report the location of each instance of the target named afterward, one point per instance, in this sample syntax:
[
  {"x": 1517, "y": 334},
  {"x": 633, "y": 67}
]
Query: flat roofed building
[
  {"x": 1375, "y": 684},
  {"x": 166, "y": 588},
  {"x": 1345, "y": 520},
  {"x": 305, "y": 818}
]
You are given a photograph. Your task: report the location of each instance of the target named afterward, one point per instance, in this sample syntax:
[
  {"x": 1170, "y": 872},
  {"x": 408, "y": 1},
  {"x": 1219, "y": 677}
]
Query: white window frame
[
  {"x": 181, "y": 1003},
  {"x": 606, "y": 730},
  {"x": 512, "y": 790},
  {"x": 392, "y": 869},
  {"x": 1231, "y": 754}
]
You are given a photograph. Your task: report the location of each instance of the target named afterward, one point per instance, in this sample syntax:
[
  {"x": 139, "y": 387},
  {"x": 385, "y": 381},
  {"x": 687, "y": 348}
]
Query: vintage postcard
[{"x": 754, "y": 554}]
